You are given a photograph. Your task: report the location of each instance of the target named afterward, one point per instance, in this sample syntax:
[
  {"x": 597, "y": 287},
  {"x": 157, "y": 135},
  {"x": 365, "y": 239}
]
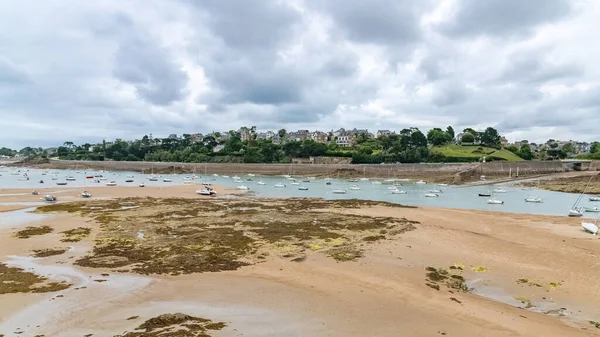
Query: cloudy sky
[{"x": 86, "y": 70}]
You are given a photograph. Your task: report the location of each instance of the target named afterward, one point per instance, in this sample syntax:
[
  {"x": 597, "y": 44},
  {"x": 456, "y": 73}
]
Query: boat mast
[{"x": 582, "y": 192}]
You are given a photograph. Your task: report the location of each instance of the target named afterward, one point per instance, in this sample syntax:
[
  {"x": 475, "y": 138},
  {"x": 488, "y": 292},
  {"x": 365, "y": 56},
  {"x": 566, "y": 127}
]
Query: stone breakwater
[{"x": 447, "y": 172}]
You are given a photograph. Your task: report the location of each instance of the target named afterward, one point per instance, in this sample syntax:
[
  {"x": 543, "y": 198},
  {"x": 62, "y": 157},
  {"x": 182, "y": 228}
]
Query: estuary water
[{"x": 555, "y": 203}]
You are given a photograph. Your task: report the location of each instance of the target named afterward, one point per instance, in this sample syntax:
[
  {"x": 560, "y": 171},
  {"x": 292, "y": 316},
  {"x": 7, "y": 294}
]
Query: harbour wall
[{"x": 368, "y": 170}]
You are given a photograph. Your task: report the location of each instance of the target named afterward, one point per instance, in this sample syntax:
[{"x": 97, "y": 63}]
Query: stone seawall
[{"x": 367, "y": 170}]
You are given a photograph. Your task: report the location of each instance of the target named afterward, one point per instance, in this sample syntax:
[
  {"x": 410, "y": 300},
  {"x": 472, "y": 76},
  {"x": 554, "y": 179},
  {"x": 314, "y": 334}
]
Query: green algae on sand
[
  {"x": 32, "y": 231},
  {"x": 175, "y": 325},
  {"x": 183, "y": 236},
  {"x": 49, "y": 252}
]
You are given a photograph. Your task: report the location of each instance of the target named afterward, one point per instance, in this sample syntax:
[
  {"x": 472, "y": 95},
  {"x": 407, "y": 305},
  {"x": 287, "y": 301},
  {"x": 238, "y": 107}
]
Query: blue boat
[{"x": 302, "y": 188}]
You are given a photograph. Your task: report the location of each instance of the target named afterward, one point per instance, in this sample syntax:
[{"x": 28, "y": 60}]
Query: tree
[
  {"x": 525, "y": 152},
  {"x": 476, "y": 135},
  {"x": 553, "y": 145},
  {"x": 513, "y": 149},
  {"x": 418, "y": 139},
  {"x": 281, "y": 133},
  {"x": 467, "y": 138},
  {"x": 437, "y": 136},
  {"x": 450, "y": 132},
  {"x": 568, "y": 148},
  {"x": 491, "y": 137},
  {"x": 595, "y": 148}
]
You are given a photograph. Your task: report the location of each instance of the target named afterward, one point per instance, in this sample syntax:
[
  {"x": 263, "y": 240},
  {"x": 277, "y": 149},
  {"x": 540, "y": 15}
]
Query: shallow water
[
  {"x": 49, "y": 310},
  {"x": 19, "y": 217},
  {"x": 555, "y": 203}
]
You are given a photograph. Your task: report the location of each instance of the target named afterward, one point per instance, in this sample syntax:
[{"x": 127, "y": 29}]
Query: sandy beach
[{"x": 524, "y": 275}]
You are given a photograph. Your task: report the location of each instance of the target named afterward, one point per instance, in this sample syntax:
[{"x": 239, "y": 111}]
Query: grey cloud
[
  {"x": 449, "y": 93},
  {"x": 150, "y": 70},
  {"x": 534, "y": 68},
  {"x": 249, "y": 24},
  {"x": 11, "y": 74},
  {"x": 378, "y": 21},
  {"x": 503, "y": 17}
]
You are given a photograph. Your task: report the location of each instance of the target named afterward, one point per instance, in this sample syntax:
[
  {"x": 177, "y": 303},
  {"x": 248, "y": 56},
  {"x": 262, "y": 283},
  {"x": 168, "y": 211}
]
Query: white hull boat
[
  {"x": 495, "y": 202},
  {"x": 432, "y": 195},
  {"x": 499, "y": 190},
  {"x": 142, "y": 185},
  {"x": 242, "y": 188},
  {"x": 590, "y": 227},
  {"x": 396, "y": 191},
  {"x": 354, "y": 188},
  {"x": 260, "y": 183},
  {"x": 279, "y": 185},
  {"x": 575, "y": 213},
  {"x": 295, "y": 183},
  {"x": 594, "y": 198},
  {"x": 594, "y": 209},
  {"x": 112, "y": 183},
  {"x": 339, "y": 192},
  {"x": 534, "y": 200},
  {"x": 435, "y": 191},
  {"x": 167, "y": 180},
  {"x": 420, "y": 182}
]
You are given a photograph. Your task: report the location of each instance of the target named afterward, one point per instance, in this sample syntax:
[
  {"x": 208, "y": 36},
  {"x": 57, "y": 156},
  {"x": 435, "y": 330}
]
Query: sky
[{"x": 84, "y": 71}]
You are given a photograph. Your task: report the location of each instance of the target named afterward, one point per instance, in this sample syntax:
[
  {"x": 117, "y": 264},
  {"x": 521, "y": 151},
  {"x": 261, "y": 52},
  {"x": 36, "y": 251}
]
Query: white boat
[
  {"x": 225, "y": 177},
  {"x": 311, "y": 178},
  {"x": 442, "y": 184},
  {"x": 238, "y": 181},
  {"x": 295, "y": 183},
  {"x": 286, "y": 176},
  {"x": 70, "y": 178},
  {"x": 590, "y": 227},
  {"x": 206, "y": 191},
  {"x": 54, "y": 178},
  {"x": 420, "y": 182},
  {"x": 495, "y": 202},
  {"x": 435, "y": 191},
  {"x": 50, "y": 198},
  {"x": 575, "y": 212},
  {"x": 142, "y": 185},
  {"x": 128, "y": 180},
  {"x": 112, "y": 183},
  {"x": 242, "y": 187},
  {"x": 129, "y": 176},
  {"x": 279, "y": 185},
  {"x": 260, "y": 183},
  {"x": 167, "y": 180},
  {"x": 339, "y": 192},
  {"x": 364, "y": 179},
  {"x": 392, "y": 188},
  {"x": 250, "y": 175},
  {"x": 534, "y": 199},
  {"x": 594, "y": 198},
  {"x": 151, "y": 178},
  {"x": 85, "y": 194},
  {"x": 376, "y": 182},
  {"x": 215, "y": 175},
  {"x": 594, "y": 209},
  {"x": 354, "y": 187},
  {"x": 236, "y": 178},
  {"x": 431, "y": 195},
  {"x": 499, "y": 190},
  {"x": 397, "y": 191},
  {"x": 103, "y": 179}
]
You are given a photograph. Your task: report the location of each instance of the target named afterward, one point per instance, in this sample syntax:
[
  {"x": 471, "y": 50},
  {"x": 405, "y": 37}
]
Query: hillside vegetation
[{"x": 459, "y": 153}]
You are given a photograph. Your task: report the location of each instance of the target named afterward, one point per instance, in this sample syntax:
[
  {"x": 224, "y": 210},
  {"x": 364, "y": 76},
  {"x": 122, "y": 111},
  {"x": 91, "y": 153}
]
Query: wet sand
[{"x": 380, "y": 294}]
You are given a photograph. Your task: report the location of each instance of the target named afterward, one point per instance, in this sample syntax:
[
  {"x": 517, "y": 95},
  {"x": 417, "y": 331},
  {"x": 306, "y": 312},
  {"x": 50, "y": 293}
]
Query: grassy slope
[{"x": 468, "y": 151}]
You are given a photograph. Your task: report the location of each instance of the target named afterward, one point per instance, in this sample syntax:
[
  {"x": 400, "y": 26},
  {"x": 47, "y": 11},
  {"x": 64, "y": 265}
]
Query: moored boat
[
  {"x": 302, "y": 188},
  {"x": 112, "y": 183},
  {"x": 86, "y": 194},
  {"x": 279, "y": 185},
  {"x": 50, "y": 198},
  {"x": 339, "y": 192},
  {"x": 534, "y": 199},
  {"x": 431, "y": 195},
  {"x": 495, "y": 202}
]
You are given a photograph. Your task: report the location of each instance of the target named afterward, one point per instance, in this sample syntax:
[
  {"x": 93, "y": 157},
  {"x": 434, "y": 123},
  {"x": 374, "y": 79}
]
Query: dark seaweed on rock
[{"x": 175, "y": 325}]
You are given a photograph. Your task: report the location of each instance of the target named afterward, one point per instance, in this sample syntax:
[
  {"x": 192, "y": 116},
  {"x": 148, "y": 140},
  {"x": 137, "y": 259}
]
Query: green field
[{"x": 474, "y": 152}]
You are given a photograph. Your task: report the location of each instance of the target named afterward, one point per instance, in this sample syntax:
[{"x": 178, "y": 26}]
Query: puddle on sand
[
  {"x": 59, "y": 310},
  {"x": 19, "y": 217},
  {"x": 20, "y": 203},
  {"x": 498, "y": 294}
]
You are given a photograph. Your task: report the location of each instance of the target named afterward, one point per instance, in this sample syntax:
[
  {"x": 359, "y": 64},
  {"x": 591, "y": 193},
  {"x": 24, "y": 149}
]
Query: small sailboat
[
  {"x": 279, "y": 185},
  {"x": 328, "y": 183},
  {"x": 236, "y": 178},
  {"x": 242, "y": 187},
  {"x": 431, "y": 195},
  {"x": 435, "y": 191},
  {"x": 70, "y": 178},
  {"x": 442, "y": 184},
  {"x": 35, "y": 193},
  {"x": 499, "y": 190},
  {"x": 534, "y": 199},
  {"x": 167, "y": 180},
  {"x": 142, "y": 184},
  {"x": 295, "y": 183},
  {"x": 250, "y": 175},
  {"x": 112, "y": 183},
  {"x": 397, "y": 191},
  {"x": 339, "y": 192},
  {"x": 495, "y": 202},
  {"x": 576, "y": 211},
  {"x": 302, "y": 188},
  {"x": 420, "y": 182},
  {"x": 594, "y": 198},
  {"x": 128, "y": 180},
  {"x": 49, "y": 197},
  {"x": 485, "y": 194},
  {"x": 260, "y": 182},
  {"x": 354, "y": 187},
  {"x": 86, "y": 194},
  {"x": 62, "y": 183},
  {"x": 306, "y": 181}
]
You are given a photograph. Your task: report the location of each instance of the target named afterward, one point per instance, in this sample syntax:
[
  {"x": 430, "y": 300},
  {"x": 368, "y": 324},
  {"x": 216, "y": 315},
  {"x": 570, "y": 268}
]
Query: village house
[
  {"x": 197, "y": 137},
  {"x": 319, "y": 137},
  {"x": 346, "y": 139},
  {"x": 245, "y": 134},
  {"x": 381, "y": 133}
]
